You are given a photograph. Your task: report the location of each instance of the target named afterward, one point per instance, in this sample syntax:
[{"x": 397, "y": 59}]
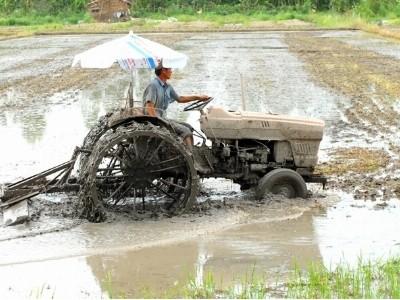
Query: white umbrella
[{"x": 131, "y": 52}]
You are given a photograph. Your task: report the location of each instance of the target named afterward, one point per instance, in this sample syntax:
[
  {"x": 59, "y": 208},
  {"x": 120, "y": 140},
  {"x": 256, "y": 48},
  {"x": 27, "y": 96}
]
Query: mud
[
  {"x": 354, "y": 66},
  {"x": 342, "y": 77},
  {"x": 129, "y": 257},
  {"x": 36, "y": 70}
]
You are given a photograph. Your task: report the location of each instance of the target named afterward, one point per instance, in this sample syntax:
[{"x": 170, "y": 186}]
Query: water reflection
[
  {"x": 60, "y": 279},
  {"x": 43, "y": 133},
  {"x": 39, "y": 140},
  {"x": 33, "y": 124},
  {"x": 269, "y": 249},
  {"x": 342, "y": 233},
  {"x": 134, "y": 272},
  {"x": 91, "y": 107},
  {"x": 30, "y": 117},
  {"x": 3, "y": 118},
  {"x": 355, "y": 229},
  {"x": 202, "y": 258}
]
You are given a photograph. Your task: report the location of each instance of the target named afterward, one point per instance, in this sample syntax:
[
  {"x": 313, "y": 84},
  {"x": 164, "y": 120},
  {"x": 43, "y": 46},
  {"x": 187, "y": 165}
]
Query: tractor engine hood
[{"x": 219, "y": 123}]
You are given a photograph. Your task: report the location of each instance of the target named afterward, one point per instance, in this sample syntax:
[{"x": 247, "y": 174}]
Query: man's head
[{"x": 162, "y": 72}]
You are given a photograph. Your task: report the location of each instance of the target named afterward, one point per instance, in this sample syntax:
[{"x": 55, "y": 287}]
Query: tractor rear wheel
[
  {"x": 284, "y": 182},
  {"x": 141, "y": 167},
  {"x": 90, "y": 141}
]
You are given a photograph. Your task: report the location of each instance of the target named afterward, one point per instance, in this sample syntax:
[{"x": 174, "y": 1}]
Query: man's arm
[
  {"x": 186, "y": 99},
  {"x": 149, "y": 97},
  {"x": 150, "y": 109}
]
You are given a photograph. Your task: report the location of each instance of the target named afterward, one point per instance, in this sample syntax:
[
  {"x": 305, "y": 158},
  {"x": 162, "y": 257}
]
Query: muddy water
[
  {"x": 41, "y": 128},
  {"x": 32, "y": 132},
  {"x": 133, "y": 259}
]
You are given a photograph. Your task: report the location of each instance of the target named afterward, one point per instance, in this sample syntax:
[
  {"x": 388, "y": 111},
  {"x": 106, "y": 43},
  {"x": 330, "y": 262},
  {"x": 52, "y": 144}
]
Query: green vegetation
[
  {"x": 368, "y": 8},
  {"x": 37, "y": 12},
  {"x": 20, "y": 18},
  {"x": 41, "y": 7},
  {"x": 27, "y": 17},
  {"x": 366, "y": 280},
  {"x": 250, "y": 286},
  {"x": 321, "y": 12}
]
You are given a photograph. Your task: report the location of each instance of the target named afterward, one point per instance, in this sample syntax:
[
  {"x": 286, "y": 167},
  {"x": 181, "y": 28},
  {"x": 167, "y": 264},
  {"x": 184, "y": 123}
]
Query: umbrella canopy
[{"x": 131, "y": 52}]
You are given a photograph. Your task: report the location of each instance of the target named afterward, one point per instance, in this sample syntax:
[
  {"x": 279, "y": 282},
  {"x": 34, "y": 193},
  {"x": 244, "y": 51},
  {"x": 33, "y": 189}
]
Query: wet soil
[
  {"x": 370, "y": 81},
  {"x": 47, "y": 70},
  {"x": 342, "y": 77}
]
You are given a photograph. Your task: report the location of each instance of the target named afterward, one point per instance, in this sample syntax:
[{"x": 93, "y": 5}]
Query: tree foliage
[
  {"x": 53, "y": 7},
  {"x": 366, "y": 7}
]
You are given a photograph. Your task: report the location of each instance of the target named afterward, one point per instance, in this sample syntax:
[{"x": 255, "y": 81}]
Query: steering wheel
[{"x": 198, "y": 105}]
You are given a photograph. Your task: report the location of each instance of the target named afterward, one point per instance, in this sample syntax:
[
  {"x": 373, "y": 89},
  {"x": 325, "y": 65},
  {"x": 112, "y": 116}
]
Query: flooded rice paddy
[{"x": 347, "y": 78}]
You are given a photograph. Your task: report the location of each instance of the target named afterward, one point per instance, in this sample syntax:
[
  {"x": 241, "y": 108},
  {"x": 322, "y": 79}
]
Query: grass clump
[
  {"x": 334, "y": 20},
  {"x": 251, "y": 286},
  {"x": 367, "y": 280},
  {"x": 356, "y": 160}
]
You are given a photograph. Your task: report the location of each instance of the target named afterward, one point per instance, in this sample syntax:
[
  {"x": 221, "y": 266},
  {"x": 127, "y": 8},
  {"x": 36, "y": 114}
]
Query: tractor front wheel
[{"x": 285, "y": 182}]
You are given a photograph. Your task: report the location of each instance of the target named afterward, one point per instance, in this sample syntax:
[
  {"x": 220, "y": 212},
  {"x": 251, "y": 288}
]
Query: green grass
[
  {"x": 31, "y": 23},
  {"x": 32, "y": 19},
  {"x": 109, "y": 287},
  {"x": 342, "y": 13},
  {"x": 249, "y": 286},
  {"x": 231, "y": 18},
  {"x": 366, "y": 280},
  {"x": 320, "y": 19},
  {"x": 333, "y": 20},
  {"x": 323, "y": 19}
]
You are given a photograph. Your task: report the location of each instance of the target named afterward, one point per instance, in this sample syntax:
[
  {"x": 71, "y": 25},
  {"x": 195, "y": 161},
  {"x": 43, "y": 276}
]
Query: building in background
[{"x": 110, "y": 10}]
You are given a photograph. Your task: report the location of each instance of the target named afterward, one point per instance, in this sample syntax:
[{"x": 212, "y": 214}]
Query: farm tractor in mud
[{"x": 133, "y": 161}]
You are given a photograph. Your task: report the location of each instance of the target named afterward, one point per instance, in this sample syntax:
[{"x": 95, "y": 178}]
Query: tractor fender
[{"x": 126, "y": 116}]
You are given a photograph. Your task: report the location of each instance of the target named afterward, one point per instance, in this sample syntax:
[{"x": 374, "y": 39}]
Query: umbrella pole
[
  {"x": 242, "y": 89},
  {"x": 133, "y": 88},
  {"x": 130, "y": 92}
]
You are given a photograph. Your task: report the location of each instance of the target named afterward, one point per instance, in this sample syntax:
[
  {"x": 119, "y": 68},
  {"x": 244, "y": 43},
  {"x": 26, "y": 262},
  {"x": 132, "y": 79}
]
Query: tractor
[{"x": 129, "y": 159}]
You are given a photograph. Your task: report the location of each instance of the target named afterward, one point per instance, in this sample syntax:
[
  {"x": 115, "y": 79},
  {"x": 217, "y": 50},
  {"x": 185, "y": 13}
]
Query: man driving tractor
[{"x": 159, "y": 94}]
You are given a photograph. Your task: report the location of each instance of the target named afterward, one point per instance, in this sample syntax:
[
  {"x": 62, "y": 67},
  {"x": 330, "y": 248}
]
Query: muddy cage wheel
[
  {"x": 143, "y": 168},
  {"x": 284, "y": 182},
  {"x": 90, "y": 141}
]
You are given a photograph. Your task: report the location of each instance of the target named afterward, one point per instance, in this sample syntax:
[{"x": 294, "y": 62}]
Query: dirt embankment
[
  {"x": 140, "y": 25},
  {"x": 371, "y": 82}
]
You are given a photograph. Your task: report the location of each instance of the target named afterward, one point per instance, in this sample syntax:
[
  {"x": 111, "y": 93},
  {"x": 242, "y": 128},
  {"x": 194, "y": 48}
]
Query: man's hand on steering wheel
[
  {"x": 203, "y": 98},
  {"x": 199, "y": 104}
]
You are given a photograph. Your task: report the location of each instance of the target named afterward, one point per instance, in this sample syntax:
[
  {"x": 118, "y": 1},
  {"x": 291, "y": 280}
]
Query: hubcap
[{"x": 285, "y": 190}]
